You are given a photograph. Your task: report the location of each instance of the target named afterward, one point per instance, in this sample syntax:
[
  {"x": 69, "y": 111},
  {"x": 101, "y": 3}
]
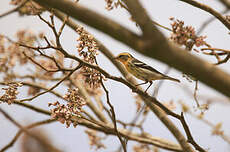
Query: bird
[{"x": 141, "y": 70}]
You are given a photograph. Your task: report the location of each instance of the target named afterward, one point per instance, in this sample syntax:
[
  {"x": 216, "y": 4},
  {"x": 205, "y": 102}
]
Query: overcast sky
[{"x": 121, "y": 96}]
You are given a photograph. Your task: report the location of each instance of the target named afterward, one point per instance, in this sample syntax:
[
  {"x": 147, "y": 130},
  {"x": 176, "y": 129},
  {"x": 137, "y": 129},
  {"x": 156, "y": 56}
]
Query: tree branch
[
  {"x": 157, "y": 47},
  {"x": 114, "y": 120},
  {"x": 226, "y": 3},
  {"x": 95, "y": 20},
  {"x": 210, "y": 10},
  {"x": 14, "y": 9},
  {"x": 12, "y": 142},
  {"x": 107, "y": 129},
  {"x": 151, "y": 102},
  {"x": 161, "y": 115}
]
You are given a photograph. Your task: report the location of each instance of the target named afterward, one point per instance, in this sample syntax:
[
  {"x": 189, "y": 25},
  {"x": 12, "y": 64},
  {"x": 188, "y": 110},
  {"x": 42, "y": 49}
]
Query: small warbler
[{"x": 141, "y": 70}]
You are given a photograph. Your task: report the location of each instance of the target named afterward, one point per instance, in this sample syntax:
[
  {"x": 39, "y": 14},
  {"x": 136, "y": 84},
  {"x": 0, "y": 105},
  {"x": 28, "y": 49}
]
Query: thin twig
[
  {"x": 155, "y": 93},
  {"x": 14, "y": 9},
  {"x": 216, "y": 49},
  {"x": 34, "y": 108},
  {"x": 63, "y": 79},
  {"x": 12, "y": 120},
  {"x": 107, "y": 75},
  {"x": 154, "y": 22},
  {"x": 195, "y": 94},
  {"x": 63, "y": 25},
  {"x": 210, "y": 124},
  {"x": 123, "y": 143},
  {"x": 206, "y": 23},
  {"x": 189, "y": 135},
  {"x": 224, "y": 60},
  {"x": 210, "y": 10},
  {"x": 22, "y": 129},
  {"x": 12, "y": 142}
]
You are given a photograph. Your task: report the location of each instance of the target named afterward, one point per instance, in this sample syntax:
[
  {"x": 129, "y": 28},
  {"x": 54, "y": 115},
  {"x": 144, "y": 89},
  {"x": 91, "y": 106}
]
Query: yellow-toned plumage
[{"x": 141, "y": 70}]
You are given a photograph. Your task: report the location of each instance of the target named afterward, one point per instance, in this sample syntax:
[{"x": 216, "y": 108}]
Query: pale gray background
[{"x": 72, "y": 139}]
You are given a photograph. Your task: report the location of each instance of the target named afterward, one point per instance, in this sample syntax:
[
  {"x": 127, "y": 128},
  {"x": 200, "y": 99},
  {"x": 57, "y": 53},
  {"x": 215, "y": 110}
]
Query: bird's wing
[{"x": 145, "y": 66}]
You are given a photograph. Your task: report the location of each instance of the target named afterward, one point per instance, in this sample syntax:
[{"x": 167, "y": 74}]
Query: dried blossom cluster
[
  {"x": 142, "y": 148},
  {"x": 29, "y": 8},
  {"x": 138, "y": 102},
  {"x": 49, "y": 65},
  {"x": 185, "y": 108},
  {"x": 3, "y": 59},
  {"x": 3, "y": 65},
  {"x": 11, "y": 92},
  {"x": 139, "y": 105},
  {"x": 185, "y": 35},
  {"x": 170, "y": 105},
  {"x": 91, "y": 76},
  {"x": 92, "y": 91},
  {"x": 64, "y": 113},
  {"x": 94, "y": 140},
  {"x": 217, "y": 129},
  {"x": 35, "y": 90},
  {"x": 110, "y": 4},
  {"x": 12, "y": 52},
  {"x": 87, "y": 41}
]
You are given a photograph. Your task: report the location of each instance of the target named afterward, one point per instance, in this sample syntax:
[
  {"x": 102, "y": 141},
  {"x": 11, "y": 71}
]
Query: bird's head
[{"x": 124, "y": 57}]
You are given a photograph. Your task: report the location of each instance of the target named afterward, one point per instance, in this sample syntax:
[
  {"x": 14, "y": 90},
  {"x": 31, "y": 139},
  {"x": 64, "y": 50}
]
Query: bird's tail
[{"x": 173, "y": 79}]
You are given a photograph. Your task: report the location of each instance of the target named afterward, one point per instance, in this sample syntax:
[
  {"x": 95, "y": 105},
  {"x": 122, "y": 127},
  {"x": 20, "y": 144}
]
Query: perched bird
[{"x": 141, "y": 70}]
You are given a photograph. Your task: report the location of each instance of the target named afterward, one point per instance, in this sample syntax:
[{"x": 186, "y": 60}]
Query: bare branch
[
  {"x": 123, "y": 142},
  {"x": 189, "y": 135},
  {"x": 34, "y": 108},
  {"x": 210, "y": 10},
  {"x": 226, "y": 3},
  {"x": 63, "y": 79},
  {"x": 14, "y": 9},
  {"x": 165, "y": 52},
  {"x": 106, "y": 128},
  {"x": 195, "y": 93},
  {"x": 89, "y": 102},
  {"x": 206, "y": 23},
  {"x": 109, "y": 129},
  {"x": 12, "y": 142}
]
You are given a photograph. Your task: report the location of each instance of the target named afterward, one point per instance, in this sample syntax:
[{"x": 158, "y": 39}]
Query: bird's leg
[
  {"x": 149, "y": 86},
  {"x": 141, "y": 83}
]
